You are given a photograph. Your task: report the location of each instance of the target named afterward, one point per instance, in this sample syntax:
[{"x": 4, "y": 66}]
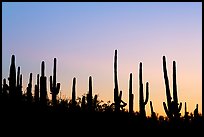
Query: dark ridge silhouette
[{"x": 88, "y": 112}]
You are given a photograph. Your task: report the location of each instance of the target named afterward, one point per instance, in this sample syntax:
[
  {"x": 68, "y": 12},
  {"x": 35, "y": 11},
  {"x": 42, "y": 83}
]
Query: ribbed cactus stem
[
  {"x": 74, "y": 92},
  {"x": 131, "y": 96}
]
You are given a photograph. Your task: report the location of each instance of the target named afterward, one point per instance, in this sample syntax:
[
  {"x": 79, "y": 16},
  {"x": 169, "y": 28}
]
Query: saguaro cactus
[
  {"x": 89, "y": 95},
  {"x": 117, "y": 96},
  {"x": 12, "y": 77},
  {"x": 173, "y": 110},
  {"x": 131, "y": 96},
  {"x": 54, "y": 88},
  {"x": 74, "y": 93},
  {"x": 142, "y": 103},
  {"x": 36, "y": 94},
  {"x": 29, "y": 89},
  {"x": 186, "y": 117},
  {"x": 43, "y": 85}
]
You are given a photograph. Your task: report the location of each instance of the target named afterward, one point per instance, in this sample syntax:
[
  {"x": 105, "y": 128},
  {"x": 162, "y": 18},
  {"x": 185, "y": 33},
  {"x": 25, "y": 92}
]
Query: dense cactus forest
[{"x": 36, "y": 108}]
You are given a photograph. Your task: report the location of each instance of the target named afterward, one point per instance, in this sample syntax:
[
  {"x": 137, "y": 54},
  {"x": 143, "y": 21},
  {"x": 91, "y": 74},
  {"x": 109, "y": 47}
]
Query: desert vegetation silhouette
[{"x": 18, "y": 105}]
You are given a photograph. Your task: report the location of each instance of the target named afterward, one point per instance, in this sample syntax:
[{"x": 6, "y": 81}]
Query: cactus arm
[
  {"x": 58, "y": 87},
  {"x": 147, "y": 93},
  {"x": 175, "y": 97},
  {"x": 179, "y": 108},
  {"x": 166, "y": 109},
  {"x": 151, "y": 107},
  {"x": 120, "y": 95}
]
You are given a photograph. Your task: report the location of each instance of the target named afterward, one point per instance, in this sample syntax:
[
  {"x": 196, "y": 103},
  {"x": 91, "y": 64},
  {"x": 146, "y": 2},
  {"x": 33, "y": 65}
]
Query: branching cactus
[
  {"x": 29, "y": 89},
  {"x": 117, "y": 96},
  {"x": 131, "y": 96},
  {"x": 43, "y": 85},
  {"x": 54, "y": 87},
  {"x": 36, "y": 94},
  {"x": 142, "y": 102},
  {"x": 172, "y": 108},
  {"x": 12, "y": 78}
]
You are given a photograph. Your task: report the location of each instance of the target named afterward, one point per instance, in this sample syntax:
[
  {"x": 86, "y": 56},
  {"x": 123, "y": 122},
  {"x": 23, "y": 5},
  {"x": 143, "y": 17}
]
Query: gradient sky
[{"x": 83, "y": 37}]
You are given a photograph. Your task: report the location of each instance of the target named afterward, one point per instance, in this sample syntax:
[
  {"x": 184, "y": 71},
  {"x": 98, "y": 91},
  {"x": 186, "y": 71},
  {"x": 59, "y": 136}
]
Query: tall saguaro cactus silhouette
[
  {"x": 142, "y": 103},
  {"x": 89, "y": 95},
  {"x": 74, "y": 93},
  {"x": 131, "y": 96},
  {"x": 12, "y": 77},
  {"x": 117, "y": 95},
  {"x": 173, "y": 110},
  {"x": 54, "y": 87},
  {"x": 43, "y": 85}
]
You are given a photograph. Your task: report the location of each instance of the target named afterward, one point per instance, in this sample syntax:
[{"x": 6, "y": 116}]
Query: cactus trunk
[{"x": 131, "y": 96}]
